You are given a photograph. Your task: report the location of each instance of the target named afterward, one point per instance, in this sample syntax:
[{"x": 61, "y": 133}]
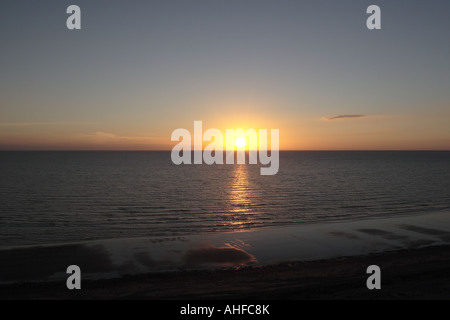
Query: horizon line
[{"x": 166, "y": 150}]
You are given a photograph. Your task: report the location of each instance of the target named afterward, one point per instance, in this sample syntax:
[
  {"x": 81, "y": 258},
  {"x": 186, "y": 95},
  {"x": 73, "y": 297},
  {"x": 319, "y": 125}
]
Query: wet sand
[
  {"x": 405, "y": 274},
  {"x": 321, "y": 261}
]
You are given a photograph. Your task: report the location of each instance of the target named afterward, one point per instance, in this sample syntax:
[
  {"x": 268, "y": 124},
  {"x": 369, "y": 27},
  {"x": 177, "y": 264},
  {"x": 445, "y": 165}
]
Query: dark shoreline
[{"x": 405, "y": 274}]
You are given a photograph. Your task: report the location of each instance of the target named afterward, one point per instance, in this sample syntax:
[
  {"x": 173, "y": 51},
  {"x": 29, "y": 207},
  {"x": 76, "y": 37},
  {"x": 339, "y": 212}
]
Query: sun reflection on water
[{"x": 240, "y": 198}]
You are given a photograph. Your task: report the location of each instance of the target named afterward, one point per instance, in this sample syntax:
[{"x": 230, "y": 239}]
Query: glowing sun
[{"x": 240, "y": 142}]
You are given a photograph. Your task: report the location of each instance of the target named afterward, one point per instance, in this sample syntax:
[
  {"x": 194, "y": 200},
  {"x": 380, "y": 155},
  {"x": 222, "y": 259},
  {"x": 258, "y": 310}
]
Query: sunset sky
[{"x": 137, "y": 70}]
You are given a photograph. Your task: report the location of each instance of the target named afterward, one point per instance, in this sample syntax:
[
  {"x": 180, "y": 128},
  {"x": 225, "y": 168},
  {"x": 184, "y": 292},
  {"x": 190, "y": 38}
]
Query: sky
[{"x": 138, "y": 70}]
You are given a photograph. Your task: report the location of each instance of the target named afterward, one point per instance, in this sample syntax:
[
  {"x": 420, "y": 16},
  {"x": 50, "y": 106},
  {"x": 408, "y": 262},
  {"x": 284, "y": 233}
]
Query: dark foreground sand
[{"x": 406, "y": 274}]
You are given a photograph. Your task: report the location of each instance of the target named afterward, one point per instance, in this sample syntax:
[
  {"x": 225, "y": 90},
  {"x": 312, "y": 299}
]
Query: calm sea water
[{"x": 53, "y": 197}]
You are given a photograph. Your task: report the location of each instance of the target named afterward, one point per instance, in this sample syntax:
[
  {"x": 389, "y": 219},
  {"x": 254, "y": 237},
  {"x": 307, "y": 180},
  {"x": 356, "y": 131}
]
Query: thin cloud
[
  {"x": 110, "y": 141},
  {"x": 346, "y": 116},
  {"x": 105, "y": 138},
  {"x": 32, "y": 124},
  {"x": 112, "y": 136}
]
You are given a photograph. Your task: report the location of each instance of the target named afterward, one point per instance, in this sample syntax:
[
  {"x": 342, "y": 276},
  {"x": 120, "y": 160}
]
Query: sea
[{"x": 51, "y": 197}]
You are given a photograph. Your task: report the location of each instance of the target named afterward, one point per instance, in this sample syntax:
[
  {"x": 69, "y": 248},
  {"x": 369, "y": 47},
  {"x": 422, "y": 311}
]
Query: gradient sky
[{"x": 140, "y": 69}]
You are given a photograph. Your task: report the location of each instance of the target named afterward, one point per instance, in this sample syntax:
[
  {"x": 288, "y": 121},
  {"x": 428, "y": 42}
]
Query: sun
[{"x": 240, "y": 143}]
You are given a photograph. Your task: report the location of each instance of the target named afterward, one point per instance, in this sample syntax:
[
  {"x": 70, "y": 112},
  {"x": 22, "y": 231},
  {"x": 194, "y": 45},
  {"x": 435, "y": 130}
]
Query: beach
[
  {"x": 320, "y": 261},
  {"x": 406, "y": 274}
]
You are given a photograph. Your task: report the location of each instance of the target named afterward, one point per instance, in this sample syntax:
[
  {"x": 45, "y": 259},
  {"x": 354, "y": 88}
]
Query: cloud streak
[
  {"x": 34, "y": 124},
  {"x": 346, "y": 116},
  {"x": 105, "y": 136}
]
